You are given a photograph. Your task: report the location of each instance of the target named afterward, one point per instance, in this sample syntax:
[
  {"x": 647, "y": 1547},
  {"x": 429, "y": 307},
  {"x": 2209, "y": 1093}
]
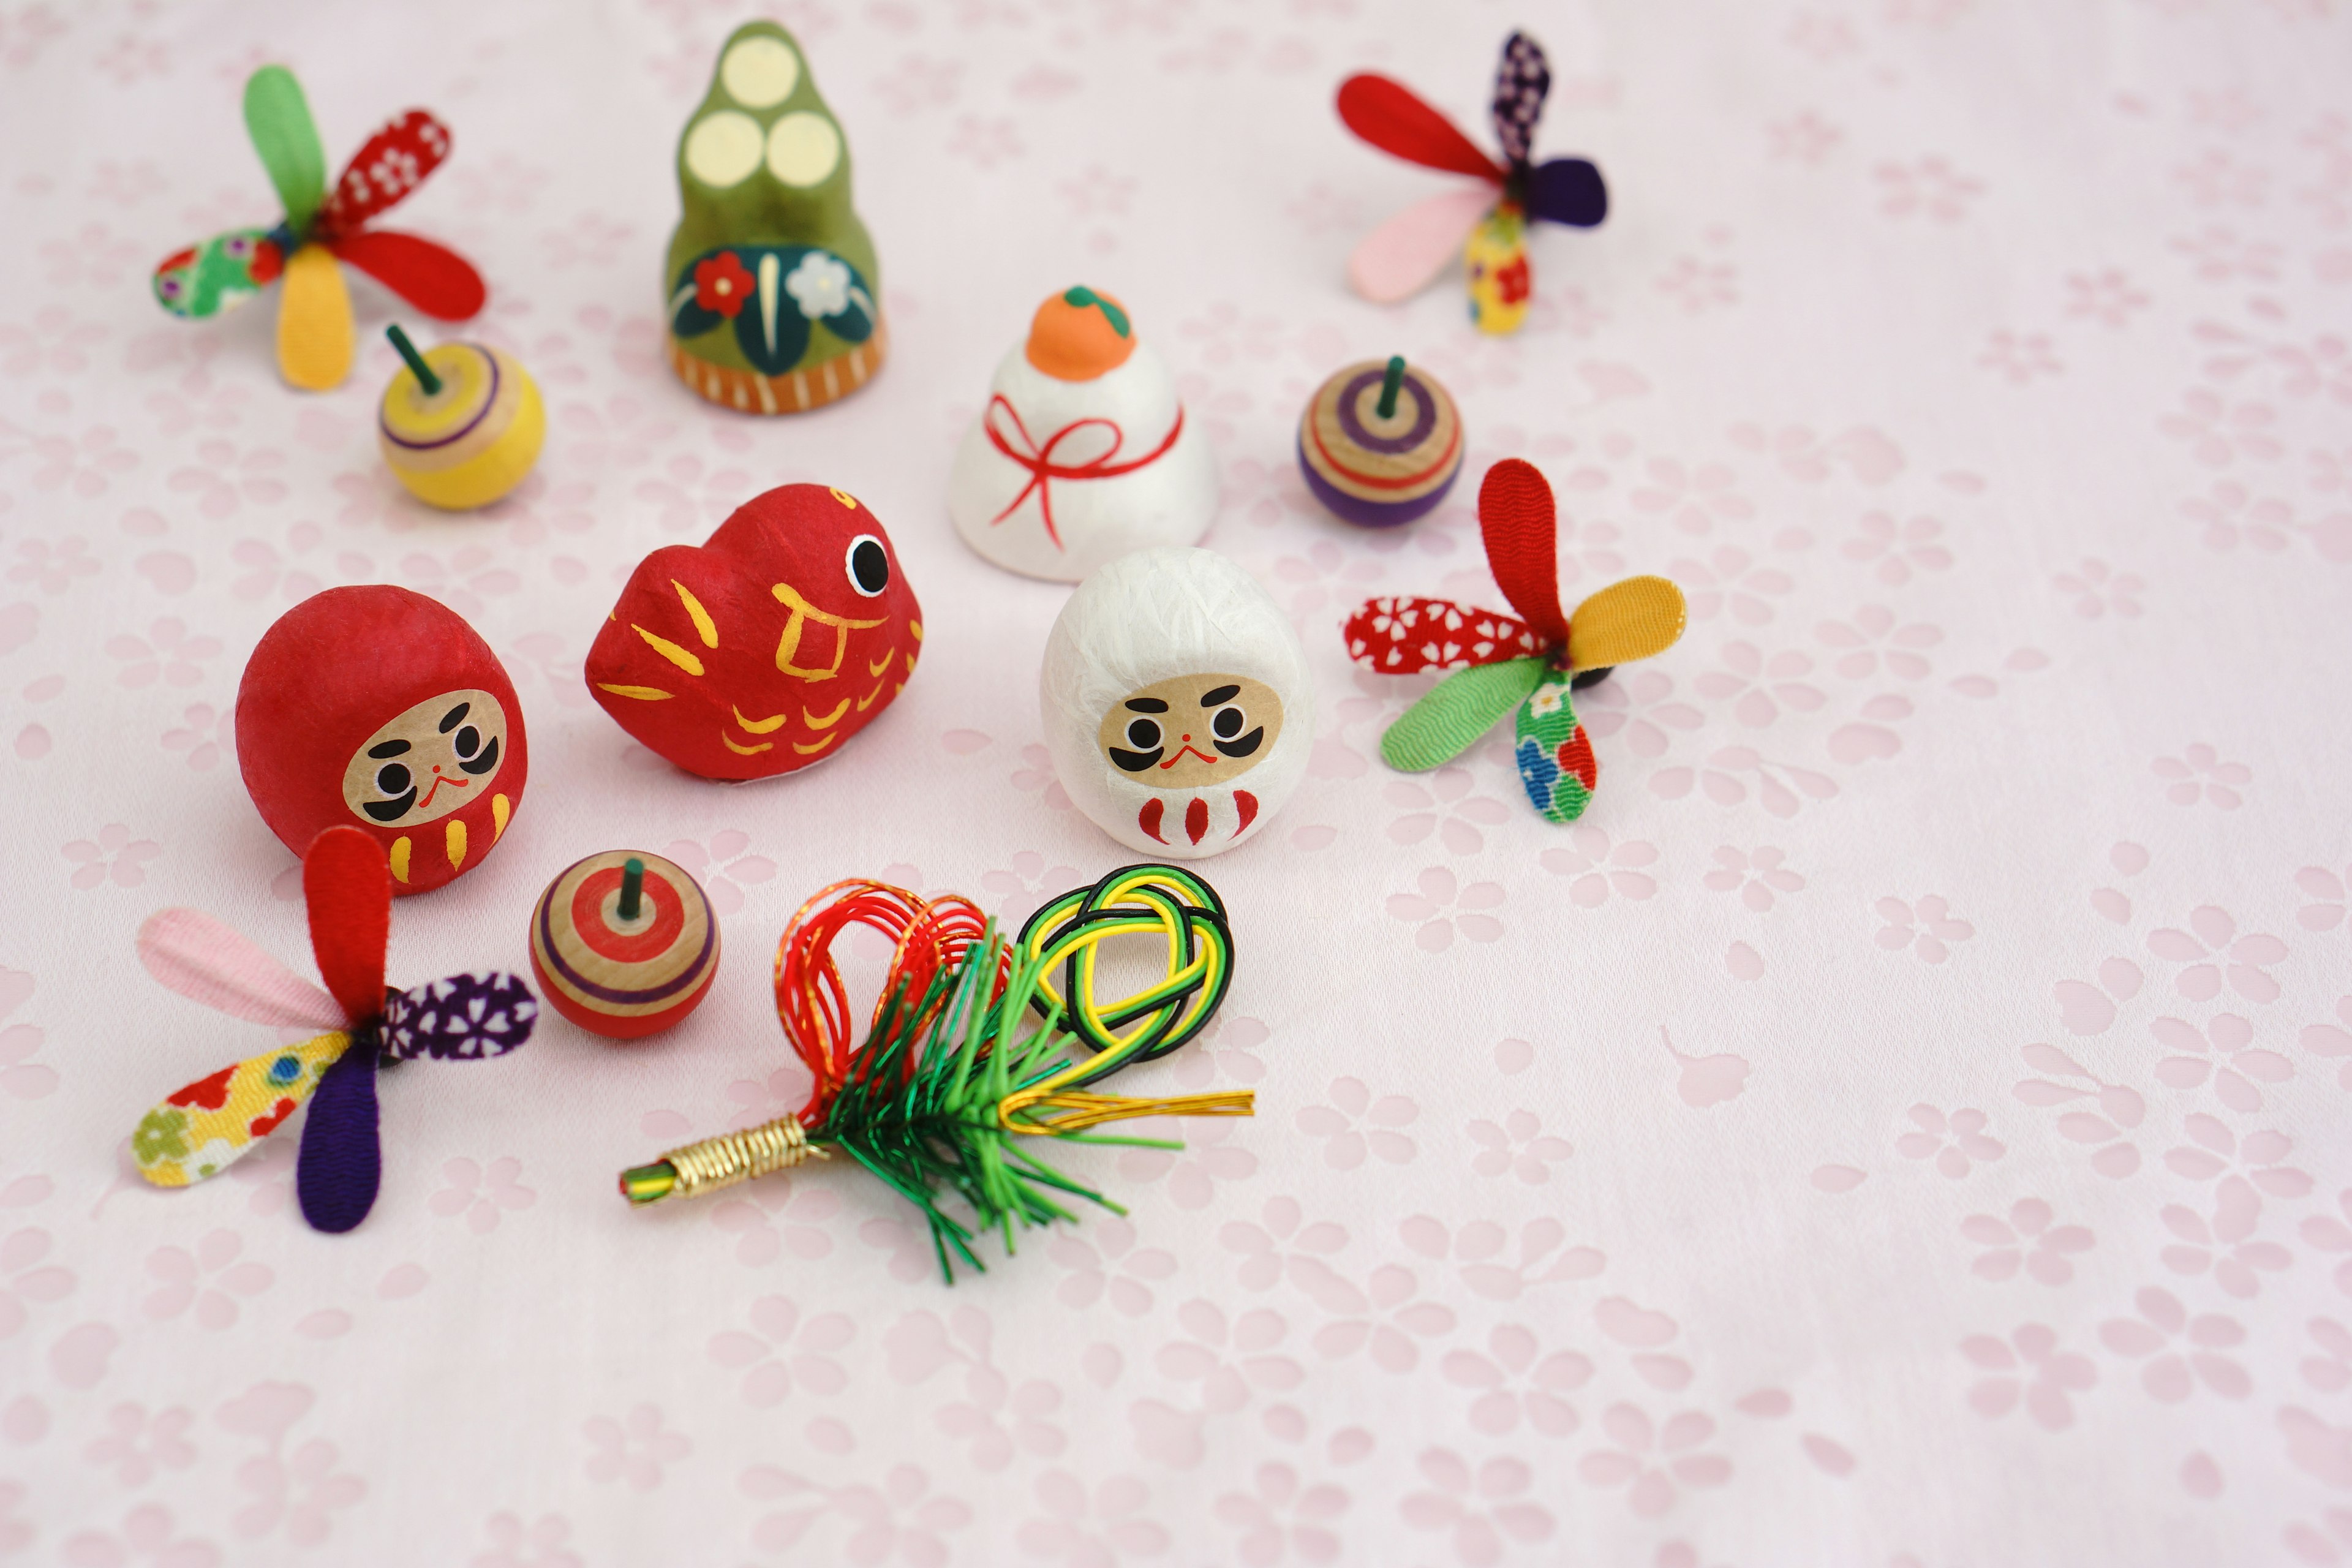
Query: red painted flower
[
  {"x": 722, "y": 284},
  {"x": 210, "y": 1094},
  {"x": 1575, "y": 756},
  {"x": 1514, "y": 283}
]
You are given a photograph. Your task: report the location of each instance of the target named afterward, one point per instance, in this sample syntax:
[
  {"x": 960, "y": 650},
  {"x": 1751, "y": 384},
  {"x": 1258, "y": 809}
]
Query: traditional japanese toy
[
  {"x": 1177, "y": 705},
  {"x": 1532, "y": 662},
  {"x": 461, "y": 424},
  {"x": 1380, "y": 443},
  {"x": 763, "y": 650},
  {"x": 624, "y": 944},
  {"x": 1083, "y": 453},
  {"x": 321, "y": 228},
  {"x": 772, "y": 292},
  {"x": 1486, "y": 225},
  {"x": 215, "y": 1122},
  {"x": 954, "y": 1090},
  {"x": 381, "y": 708}
]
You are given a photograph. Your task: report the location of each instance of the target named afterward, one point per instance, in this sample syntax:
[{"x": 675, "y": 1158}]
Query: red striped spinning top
[{"x": 624, "y": 943}]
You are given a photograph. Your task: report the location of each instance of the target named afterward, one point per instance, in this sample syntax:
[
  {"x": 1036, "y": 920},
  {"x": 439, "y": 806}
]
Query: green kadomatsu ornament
[
  {"x": 772, "y": 286},
  {"x": 1532, "y": 662}
]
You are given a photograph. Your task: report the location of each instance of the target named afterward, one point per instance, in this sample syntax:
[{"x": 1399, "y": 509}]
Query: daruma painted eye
[
  {"x": 1143, "y": 734},
  {"x": 391, "y": 779},
  {"x": 1227, "y": 723}
]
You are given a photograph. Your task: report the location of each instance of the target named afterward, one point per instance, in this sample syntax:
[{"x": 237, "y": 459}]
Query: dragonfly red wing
[
  {"x": 394, "y": 162},
  {"x": 1519, "y": 522},
  {"x": 435, "y": 280},
  {"x": 347, "y": 886},
  {"x": 1392, "y": 117},
  {"x": 1404, "y": 636}
]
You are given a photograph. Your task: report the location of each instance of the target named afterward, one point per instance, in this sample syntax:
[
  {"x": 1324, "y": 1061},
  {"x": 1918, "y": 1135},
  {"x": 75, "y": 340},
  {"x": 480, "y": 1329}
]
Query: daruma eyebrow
[
  {"x": 388, "y": 748},
  {"x": 1146, "y": 705},
  {"x": 455, "y": 716},
  {"x": 1219, "y": 696}
]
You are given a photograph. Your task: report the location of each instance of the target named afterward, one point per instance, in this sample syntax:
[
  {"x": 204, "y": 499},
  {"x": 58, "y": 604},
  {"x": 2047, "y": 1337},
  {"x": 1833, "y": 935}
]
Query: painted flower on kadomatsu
[{"x": 722, "y": 284}]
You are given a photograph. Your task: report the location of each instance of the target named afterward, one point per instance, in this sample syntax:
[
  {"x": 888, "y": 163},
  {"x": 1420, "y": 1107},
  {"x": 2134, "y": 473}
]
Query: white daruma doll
[
  {"x": 1084, "y": 452},
  {"x": 1177, "y": 705}
]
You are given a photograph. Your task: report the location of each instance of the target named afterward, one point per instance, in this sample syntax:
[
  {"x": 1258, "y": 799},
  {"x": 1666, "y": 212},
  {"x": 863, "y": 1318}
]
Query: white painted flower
[
  {"x": 1547, "y": 701},
  {"x": 820, "y": 285}
]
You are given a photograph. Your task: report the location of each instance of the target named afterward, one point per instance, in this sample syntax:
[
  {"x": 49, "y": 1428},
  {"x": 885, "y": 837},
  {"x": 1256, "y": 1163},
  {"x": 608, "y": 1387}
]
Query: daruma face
[
  {"x": 1193, "y": 731},
  {"x": 380, "y": 708},
  {"x": 429, "y": 761}
]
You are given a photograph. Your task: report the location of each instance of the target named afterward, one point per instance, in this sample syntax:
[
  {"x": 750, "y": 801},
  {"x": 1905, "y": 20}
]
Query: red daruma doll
[{"x": 381, "y": 709}]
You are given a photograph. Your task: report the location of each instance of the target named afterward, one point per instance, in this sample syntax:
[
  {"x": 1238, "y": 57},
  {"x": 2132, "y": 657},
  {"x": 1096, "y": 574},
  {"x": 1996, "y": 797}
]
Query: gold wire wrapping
[
  {"x": 1075, "y": 1111},
  {"x": 733, "y": 1157}
]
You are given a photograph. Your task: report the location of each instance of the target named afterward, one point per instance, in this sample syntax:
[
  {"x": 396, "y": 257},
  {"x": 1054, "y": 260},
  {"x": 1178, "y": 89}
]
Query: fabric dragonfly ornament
[
  {"x": 1486, "y": 225},
  {"x": 214, "y": 1122},
  {"x": 1531, "y": 662},
  {"x": 321, "y": 228}
]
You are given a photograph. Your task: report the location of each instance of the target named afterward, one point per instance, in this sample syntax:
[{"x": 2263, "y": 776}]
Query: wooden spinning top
[
  {"x": 624, "y": 945},
  {"x": 1381, "y": 443},
  {"x": 460, "y": 425}
]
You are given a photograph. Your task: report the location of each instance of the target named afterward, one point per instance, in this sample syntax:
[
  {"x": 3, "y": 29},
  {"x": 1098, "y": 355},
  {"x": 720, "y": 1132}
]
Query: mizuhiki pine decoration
[
  {"x": 460, "y": 425},
  {"x": 624, "y": 943},
  {"x": 1533, "y": 662},
  {"x": 1486, "y": 225},
  {"x": 1381, "y": 445},
  {"x": 203, "y": 1128},
  {"x": 967, "y": 1066},
  {"x": 772, "y": 289},
  {"x": 320, "y": 228}
]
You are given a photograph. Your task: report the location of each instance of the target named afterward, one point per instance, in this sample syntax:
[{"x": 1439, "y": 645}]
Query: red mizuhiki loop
[
  {"x": 1043, "y": 470},
  {"x": 812, "y": 1003}
]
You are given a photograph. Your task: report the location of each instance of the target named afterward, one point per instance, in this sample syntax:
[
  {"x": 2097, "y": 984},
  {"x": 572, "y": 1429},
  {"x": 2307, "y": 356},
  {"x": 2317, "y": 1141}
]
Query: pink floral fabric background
[{"x": 1905, "y": 1123}]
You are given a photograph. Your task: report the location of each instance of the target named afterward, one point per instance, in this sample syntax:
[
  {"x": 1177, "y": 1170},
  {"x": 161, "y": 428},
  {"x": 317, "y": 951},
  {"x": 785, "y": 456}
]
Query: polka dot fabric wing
[
  {"x": 466, "y": 1017},
  {"x": 1404, "y": 635},
  {"x": 1521, "y": 83},
  {"x": 388, "y": 166}
]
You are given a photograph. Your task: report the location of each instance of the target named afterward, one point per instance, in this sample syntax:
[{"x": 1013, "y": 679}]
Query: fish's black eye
[
  {"x": 1227, "y": 723},
  {"x": 1143, "y": 734},
  {"x": 869, "y": 564},
  {"x": 391, "y": 779},
  {"x": 466, "y": 740}
]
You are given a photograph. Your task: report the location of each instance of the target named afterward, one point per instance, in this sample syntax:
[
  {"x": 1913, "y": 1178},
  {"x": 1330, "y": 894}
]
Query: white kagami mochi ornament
[
  {"x": 1083, "y": 453},
  {"x": 1177, "y": 704}
]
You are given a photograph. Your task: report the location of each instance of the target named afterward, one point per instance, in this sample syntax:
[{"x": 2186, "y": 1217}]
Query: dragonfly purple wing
[
  {"x": 1521, "y": 80},
  {"x": 340, "y": 1163},
  {"x": 1569, "y": 191},
  {"x": 465, "y": 1017}
]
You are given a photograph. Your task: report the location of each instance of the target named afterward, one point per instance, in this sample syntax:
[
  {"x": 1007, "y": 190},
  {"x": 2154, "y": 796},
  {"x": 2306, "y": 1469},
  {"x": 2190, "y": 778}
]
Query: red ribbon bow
[{"x": 1043, "y": 470}]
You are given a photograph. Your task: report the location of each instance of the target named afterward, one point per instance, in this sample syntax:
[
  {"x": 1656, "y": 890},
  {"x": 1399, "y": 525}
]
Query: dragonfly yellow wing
[
  {"x": 205, "y": 1127},
  {"x": 314, "y": 322},
  {"x": 1637, "y": 618}
]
